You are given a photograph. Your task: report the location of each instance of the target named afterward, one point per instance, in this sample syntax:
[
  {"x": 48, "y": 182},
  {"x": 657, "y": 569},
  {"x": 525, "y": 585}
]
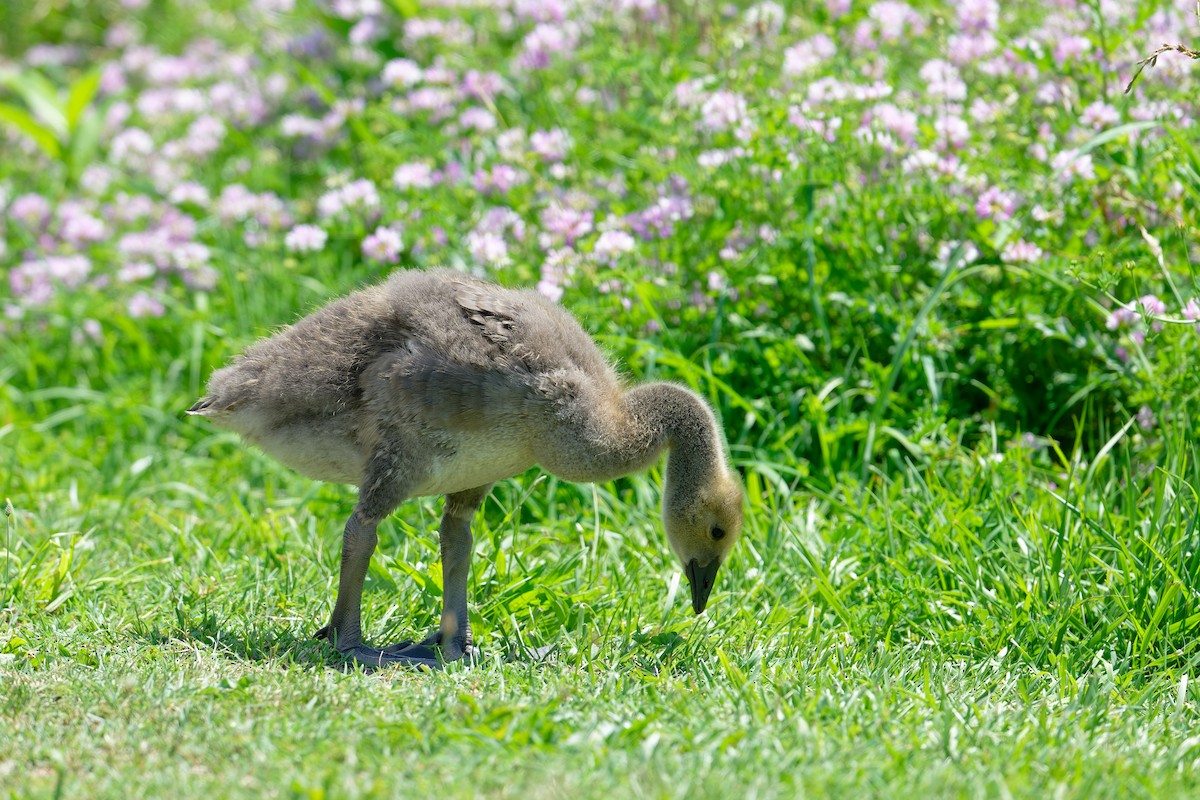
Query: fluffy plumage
[{"x": 437, "y": 383}]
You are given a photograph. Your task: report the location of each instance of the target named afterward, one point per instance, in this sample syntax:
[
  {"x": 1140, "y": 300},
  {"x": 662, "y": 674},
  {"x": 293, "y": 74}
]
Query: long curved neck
[{"x": 663, "y": 415}]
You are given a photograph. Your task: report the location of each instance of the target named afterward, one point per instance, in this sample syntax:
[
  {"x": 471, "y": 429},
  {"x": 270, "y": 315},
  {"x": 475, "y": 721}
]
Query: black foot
[
  {"x": 431, "y": 648},
  {"x": 373, "y": 659}
]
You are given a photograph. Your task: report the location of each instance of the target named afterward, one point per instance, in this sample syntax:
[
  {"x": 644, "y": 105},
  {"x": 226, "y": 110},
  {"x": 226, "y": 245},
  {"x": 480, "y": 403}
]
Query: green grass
[
  {"x": 971, "y": 566},
  {"x": 967, "y": 628}
]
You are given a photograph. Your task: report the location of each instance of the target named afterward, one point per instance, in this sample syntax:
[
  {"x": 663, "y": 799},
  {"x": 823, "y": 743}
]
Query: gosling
[{"x": 437, "y": 383}]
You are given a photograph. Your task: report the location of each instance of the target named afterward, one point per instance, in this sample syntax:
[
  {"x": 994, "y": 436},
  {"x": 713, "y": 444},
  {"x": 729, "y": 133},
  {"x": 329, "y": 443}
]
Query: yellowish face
[{"x": 702, "y": 529}]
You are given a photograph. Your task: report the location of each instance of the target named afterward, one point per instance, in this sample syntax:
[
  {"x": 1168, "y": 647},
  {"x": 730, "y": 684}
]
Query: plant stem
[{"x": 8, "y": 525}]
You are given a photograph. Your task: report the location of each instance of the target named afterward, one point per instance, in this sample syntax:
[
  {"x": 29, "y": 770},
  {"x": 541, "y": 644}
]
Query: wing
[
  {"x": 503, "y": 321},
  {"x": 457, "y": 395}
]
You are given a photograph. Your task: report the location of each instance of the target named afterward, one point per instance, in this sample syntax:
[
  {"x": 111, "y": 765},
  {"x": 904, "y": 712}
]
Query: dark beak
[{"x": 702, "y": 580}]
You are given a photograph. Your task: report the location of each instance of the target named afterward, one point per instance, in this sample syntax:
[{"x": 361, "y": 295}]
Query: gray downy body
[
  {"x": 437, "y": 383},
  {"x": 484, "y": 382}
]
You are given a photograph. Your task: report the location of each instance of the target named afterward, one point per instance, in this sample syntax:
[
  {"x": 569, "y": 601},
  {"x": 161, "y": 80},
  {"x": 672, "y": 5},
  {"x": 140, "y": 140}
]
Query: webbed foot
[
  {"x": 372, "y": 658},
  {"x": 431, "y": 648}
]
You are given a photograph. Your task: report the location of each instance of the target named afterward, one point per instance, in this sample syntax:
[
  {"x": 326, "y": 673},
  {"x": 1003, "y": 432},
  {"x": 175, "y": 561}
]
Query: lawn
[{"x": 931, "y": 263}]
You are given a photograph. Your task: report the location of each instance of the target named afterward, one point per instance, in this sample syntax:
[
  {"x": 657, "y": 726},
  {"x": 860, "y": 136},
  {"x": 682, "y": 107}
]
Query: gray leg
[
  {"x": 358, "y": 543},
  {"x": 379, "y": 495},
  {"x": 454, "y": 633}
]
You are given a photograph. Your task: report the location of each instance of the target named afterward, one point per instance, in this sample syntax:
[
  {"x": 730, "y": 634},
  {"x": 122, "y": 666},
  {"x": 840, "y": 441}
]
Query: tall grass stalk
[{"x": 8, "y": 535}]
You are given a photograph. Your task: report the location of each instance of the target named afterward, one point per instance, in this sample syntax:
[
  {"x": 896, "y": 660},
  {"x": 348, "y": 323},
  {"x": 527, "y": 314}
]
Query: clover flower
[
  {"x": 305, "y": 239},
  {"x": 384, "y": 245}
]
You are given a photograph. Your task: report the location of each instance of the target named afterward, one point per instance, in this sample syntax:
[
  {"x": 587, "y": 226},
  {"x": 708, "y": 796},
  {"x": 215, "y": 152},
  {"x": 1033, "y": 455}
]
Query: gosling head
[{"x": 701, "y": 528}]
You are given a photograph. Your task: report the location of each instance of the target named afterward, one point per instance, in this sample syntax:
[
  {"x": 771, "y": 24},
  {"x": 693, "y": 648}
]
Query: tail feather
[{"x": 204, "y": 406}]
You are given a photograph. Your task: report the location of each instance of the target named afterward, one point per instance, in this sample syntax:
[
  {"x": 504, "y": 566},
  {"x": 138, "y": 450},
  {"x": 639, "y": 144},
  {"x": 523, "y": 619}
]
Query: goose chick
[{"x": 437, "y": 383}]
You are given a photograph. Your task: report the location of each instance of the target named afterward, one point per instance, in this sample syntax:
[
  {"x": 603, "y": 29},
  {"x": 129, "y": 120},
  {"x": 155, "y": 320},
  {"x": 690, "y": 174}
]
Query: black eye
[{"x": 718, "y": 532}]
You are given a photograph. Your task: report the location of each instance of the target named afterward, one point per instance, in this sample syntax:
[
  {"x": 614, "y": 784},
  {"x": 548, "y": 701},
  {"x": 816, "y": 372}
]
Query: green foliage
[
  {"x": 65, "y": 125},
  {"x": 971, "y": 564}
]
